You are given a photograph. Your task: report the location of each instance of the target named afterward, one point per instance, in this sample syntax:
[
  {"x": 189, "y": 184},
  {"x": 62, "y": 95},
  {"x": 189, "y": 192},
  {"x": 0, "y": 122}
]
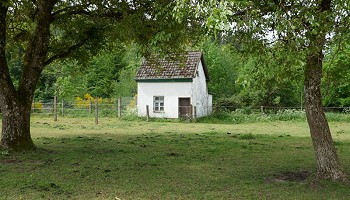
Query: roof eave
[{"x": 163, "y": 80}]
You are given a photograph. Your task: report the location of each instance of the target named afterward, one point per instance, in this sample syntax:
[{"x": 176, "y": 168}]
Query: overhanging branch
[
  {"x": 68, "y": 12},
  {"x": 79, "y": 10},
  {"x": 65, "y": 53}
]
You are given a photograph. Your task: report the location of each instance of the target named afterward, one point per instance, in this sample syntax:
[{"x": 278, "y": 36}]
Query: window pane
[{"x": 158, "y": 103}]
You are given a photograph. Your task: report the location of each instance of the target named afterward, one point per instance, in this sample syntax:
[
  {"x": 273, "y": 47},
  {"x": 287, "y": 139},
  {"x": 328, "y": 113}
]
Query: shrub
[
  {"x": 245, "y": 110},
  {"x": 338, "y": 117},
  {"x": 288, "y": 115},
  {"x": 248, "y": 115},
  {"x": 37, "y": 106}
]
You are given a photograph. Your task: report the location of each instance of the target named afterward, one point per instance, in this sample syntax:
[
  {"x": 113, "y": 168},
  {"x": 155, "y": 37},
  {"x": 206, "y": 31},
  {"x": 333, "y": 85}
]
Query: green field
[{"x": 117, "y": 159}]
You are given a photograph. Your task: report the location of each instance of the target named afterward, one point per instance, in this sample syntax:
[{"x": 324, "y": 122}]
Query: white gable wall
[
  {"x": 171, "y": 92},
  {"x": 200, "y": 93}
]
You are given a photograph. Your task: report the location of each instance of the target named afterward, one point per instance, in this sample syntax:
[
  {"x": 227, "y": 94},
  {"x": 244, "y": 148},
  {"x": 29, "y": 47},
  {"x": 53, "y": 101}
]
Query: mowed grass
[{"x": 116, "y": 159}]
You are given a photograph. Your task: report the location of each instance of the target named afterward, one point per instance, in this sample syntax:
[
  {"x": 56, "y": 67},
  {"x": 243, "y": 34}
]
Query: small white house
[{"x": 174, "y": 86}]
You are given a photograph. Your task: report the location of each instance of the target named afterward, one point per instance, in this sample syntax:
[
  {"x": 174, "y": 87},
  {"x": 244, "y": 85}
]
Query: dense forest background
[{"x": 237, "y": 78}]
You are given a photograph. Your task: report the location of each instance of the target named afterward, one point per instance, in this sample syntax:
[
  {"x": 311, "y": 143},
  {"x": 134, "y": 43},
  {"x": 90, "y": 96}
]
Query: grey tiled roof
[{"x": 171, "y": 67}]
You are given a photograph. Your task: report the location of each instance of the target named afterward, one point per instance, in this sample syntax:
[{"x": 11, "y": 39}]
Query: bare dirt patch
[
  {"x": 289, "y": 176},
  {"x": 9, "y": 161}
]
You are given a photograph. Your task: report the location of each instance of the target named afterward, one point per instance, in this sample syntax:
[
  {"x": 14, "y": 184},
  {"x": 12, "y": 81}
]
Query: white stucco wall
[
  {"x": 200, "y": 93},
  {"x": 171, "y": 92}
]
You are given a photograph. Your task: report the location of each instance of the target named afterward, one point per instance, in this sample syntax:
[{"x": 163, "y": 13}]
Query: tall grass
[
  {"x": 249, "y": 116},
  {"x": 239, "y": 116}
]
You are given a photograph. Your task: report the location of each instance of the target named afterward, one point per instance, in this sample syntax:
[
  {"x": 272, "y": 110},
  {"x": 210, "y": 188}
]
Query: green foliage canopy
[
  {"x": 336, "y": 85},
  {"x": 304, "y": 28}
]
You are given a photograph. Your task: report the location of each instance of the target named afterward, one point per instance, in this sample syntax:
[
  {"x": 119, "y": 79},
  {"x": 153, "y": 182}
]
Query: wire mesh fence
[
  {"x": 275, "y": 109},
  {"x": 118, "y": 107},
  {"x": 85, "y": 107}
]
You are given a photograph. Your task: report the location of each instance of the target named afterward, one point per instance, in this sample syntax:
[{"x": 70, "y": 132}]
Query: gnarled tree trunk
[
  {"x": 16, "y": 103},
  {"x": 16, "y": 125},
  {"x": 327, "y": 161}
]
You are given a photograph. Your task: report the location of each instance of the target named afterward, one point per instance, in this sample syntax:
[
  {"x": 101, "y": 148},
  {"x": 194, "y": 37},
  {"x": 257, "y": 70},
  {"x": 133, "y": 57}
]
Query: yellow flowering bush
[
  {"x": 85, "y": 101},
  {"x": 37, "y": 106},
  {"x": 88, "y": 99}
]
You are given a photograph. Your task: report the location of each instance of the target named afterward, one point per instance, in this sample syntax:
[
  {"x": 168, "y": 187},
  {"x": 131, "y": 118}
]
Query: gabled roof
[{"x": 183, "y": 66}]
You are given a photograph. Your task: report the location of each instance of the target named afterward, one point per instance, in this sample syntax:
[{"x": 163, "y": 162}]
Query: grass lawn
[{"x": 116, "y": 159}]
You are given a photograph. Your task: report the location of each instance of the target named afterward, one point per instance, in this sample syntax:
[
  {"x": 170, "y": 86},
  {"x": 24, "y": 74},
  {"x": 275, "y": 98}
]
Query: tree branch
[
  {"x": 65, "y": 53},
  {"x": 69, "y": 11},
  {"x": 79, "y": 10},
  {"x": 36, "y": 51}
]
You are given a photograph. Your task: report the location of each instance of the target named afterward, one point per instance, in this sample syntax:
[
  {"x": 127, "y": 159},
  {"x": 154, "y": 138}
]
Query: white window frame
[{"x": 158, "y": 103}]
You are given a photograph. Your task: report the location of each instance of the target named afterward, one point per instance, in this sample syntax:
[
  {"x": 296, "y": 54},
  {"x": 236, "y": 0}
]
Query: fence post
[
  {"x": 96, "y": 110},
  {"x": 55, "y": 108},
  {"x": 119, "y": 107},
  {"x": 62, "y": 107},
  {"x": 147, "y": 112},
  {"x": 301, "y": 98},
  {"x": 262, "y": 109},
  {"x": 33, "y": 104},
  {"x": 90, "y": 106},
  {"x": 194, "y": 113}
]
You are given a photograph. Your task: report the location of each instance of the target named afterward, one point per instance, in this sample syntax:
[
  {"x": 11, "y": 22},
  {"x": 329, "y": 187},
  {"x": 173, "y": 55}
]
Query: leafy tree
[
  {"x": 270, "y": 80},
  {"x": 305, "y": 29},
  {"x": 126, "y": 84},
  {"x": 223, "y": 68},
  {"x": 69, "y": 80},
  {"x": 257, "y": 79},
  {"x": 50, "y": 30},
  {"x": 102, "y": 71},
  {"x": 14, "y": 56},
  {"x": 335, "y": 84},
  {"x": 108, "y": 74}
]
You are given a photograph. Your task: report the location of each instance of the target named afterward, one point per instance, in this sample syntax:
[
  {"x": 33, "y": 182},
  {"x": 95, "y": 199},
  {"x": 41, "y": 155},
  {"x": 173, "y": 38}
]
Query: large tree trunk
[
  {"x": 16, "y": 125},
  {"x": 327, "y": 161},
  {"x": 328, "y": 166},
  {"x": 15, "y": 104}
]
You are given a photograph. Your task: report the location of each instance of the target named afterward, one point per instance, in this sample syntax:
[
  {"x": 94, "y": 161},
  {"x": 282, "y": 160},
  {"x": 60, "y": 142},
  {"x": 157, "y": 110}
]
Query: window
[{"x": 158, "y": 103}]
